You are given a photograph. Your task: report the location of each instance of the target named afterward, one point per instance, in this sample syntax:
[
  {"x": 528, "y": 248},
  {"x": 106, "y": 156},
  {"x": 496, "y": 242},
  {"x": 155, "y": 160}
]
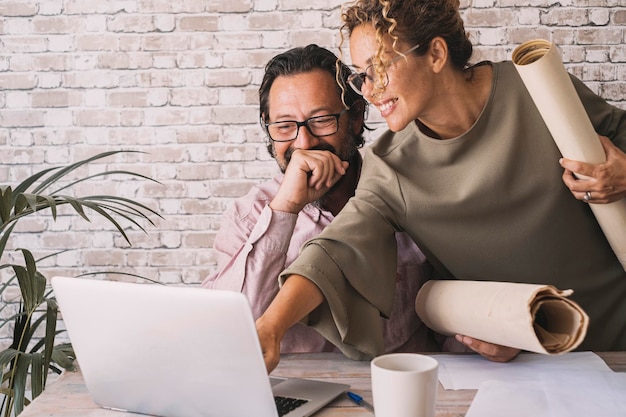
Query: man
[{"x": 314, "y": 131}]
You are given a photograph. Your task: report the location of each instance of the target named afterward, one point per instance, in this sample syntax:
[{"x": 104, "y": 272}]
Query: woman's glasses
[{"x": 357, "y": 80}]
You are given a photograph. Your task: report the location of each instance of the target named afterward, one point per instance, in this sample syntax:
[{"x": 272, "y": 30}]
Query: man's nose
[{"x": 305, "y": 139}]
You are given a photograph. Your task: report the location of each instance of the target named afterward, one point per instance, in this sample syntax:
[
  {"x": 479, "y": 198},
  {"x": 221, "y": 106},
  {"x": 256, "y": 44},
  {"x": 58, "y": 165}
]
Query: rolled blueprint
[
  {"x": 541, "y": 68},
  {"x": 536, "y": 318}
]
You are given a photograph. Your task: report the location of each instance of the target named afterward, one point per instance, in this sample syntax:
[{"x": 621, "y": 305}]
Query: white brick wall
[{"x": 178, "y": 79}]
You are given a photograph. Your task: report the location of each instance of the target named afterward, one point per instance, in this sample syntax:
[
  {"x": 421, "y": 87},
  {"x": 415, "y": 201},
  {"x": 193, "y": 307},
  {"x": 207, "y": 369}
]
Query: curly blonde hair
[{"x": 415, "y": 22}]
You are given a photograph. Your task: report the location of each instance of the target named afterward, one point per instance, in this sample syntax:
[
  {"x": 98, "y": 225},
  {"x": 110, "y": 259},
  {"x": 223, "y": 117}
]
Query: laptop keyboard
[{"x": 287, "y": 404}]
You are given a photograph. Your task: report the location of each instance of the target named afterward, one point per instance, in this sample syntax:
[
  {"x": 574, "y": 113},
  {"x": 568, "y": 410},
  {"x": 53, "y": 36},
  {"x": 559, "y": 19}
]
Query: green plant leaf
[
  {"x": 28, "y": 182},
  {"x": 78, "y": 208},
  {"x": 107, "y": 216},
  {"x": 26, "y": 287},
  {"x": 30, "y": 196},
  {"x": 38, "y": 372},
  {"x": 20, "y": 329},
  {"x": 103, "y": 174},
  {"x": 6, "y": 202},
  {"x": 66, "y": 170},
  {"x": 6, "y": 356},
  {"x": 51, "y": 331},
  {"x": 63, "y": 354},
  {"x": 134, "y": 206},
  {"x": 128, "y": 274},
  {"x": 20, "y": 374},
  {"x": 27, "y": 203},
  {"x": 32, "y": 285}
]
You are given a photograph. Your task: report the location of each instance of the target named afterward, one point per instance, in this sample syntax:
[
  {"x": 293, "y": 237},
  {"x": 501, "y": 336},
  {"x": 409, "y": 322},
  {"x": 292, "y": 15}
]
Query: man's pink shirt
[{"x": 255, "y": 244}]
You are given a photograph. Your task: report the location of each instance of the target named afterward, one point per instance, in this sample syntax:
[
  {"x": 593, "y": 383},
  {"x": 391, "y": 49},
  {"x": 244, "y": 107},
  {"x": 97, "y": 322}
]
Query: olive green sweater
[{"x": 488, "y": 205}]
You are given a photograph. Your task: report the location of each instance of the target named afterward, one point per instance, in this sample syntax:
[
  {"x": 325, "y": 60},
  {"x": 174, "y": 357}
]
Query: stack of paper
[{"x": 577, "y": 384}]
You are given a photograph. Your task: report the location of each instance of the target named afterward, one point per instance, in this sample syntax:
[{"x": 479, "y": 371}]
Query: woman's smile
[{"x": 386, "y": 106}]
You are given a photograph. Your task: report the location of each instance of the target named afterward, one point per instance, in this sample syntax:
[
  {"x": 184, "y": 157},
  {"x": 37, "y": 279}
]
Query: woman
[{"x": 469, "y": 170}]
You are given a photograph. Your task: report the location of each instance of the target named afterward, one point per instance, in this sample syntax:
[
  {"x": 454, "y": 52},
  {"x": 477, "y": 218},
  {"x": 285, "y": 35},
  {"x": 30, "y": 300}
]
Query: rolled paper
[
  {"x": 532, "y": 317},
  {"x": 541, "y": 68}
]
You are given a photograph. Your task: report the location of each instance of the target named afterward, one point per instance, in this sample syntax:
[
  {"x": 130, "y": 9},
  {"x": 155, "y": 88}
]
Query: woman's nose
[{"x": 370, "y": 91}]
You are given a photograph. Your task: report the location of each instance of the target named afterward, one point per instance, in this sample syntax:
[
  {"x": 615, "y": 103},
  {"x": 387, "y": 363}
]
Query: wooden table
[{"x": 68, "y": 397}]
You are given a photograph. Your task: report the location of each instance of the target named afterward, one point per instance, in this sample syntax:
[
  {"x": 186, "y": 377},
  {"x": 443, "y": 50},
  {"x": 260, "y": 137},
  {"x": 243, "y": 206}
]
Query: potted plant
[{"x": 29, "y": 355}]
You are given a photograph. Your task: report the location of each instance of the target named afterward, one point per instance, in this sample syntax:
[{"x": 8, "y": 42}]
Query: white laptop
[{"x": 175, "y": 352}]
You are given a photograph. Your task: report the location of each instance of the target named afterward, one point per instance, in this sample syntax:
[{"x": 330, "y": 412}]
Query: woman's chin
[{"x": 395, "y": 125}]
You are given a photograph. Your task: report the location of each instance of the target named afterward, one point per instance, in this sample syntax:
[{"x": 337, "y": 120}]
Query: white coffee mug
[{"x": 404, "y": 385}]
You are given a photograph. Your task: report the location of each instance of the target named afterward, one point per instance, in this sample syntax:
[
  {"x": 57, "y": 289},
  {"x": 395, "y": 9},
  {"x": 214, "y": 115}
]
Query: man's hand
[
  {"x": 605, "y": 182},
  {"x": 495, "y": 353},
  {"x": 309, "y": 175}
]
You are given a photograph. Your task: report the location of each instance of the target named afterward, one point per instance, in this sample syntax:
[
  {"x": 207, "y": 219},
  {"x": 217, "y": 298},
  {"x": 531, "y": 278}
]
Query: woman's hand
[
  {"x": 495, "y": 353},
  {"x": 270, "y": 344},
  {"x": 597, "y": 183},
  {"x": 296, "y": 298}
]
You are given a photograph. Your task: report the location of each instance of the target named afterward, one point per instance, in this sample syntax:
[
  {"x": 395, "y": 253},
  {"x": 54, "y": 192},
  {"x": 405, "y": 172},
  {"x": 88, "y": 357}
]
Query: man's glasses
[
  {"x": 318, "y": 126},
  {"x": 357, "y": 80}
]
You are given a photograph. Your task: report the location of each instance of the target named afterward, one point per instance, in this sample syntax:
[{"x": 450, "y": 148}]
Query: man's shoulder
[
  {"x": 256, "y": 198},
  {"x": 266, "y": 189}
]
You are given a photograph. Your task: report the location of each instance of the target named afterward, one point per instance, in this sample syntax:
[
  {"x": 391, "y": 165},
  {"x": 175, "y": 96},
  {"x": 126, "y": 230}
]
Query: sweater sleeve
[
  {"x": 353, "y": 262},
  {"x": 606, "y": 119}
]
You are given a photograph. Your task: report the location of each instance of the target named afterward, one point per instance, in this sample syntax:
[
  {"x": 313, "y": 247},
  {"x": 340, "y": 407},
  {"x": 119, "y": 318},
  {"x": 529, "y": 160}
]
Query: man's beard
[{"x": 346, "y": 153}]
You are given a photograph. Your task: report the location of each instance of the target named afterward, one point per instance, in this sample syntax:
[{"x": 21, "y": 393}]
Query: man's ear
[{"x": 357, "y": 113}]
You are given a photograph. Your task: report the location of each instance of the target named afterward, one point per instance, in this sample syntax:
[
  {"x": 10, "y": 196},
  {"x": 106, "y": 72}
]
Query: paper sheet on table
[
  {"x": 470, "y": 371},
  {"x": 536, "y": 318},
  {"x": 541, "y": 68},
  {"x": 561, "y": 394}
]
